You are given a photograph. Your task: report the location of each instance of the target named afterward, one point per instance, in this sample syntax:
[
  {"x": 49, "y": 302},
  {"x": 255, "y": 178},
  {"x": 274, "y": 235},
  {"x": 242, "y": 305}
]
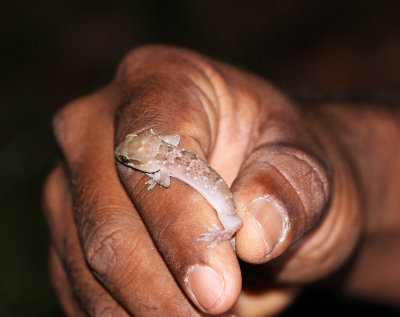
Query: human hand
[{"x": 127, "y": 250}]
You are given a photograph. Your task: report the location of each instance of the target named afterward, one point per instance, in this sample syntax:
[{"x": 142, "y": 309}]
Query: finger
[
  {"x": 71, "y": 278},
  {"x": 284, "y": 191},
  {"x": 178, "y": 98},
  {"x": 61, "y": 286},
  {"x": 267, "y": 302},
  {"x": 261, "y": 298},
  {"x": 140, "y": 281}
]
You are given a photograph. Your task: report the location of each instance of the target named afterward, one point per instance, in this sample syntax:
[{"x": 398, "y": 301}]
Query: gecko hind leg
[
  {"x": 151, "y": 182},
  {"x": 215, "y": 235}
]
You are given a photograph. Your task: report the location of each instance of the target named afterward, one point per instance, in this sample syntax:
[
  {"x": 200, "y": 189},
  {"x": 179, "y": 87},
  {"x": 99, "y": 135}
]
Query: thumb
[{"x": 281, "y": 193}]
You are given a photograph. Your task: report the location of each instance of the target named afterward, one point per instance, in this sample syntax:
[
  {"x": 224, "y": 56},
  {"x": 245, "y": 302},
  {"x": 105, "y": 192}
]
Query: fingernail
[
  {"x": 272, "y": 220},
  {"x": 205, "y": 285}
]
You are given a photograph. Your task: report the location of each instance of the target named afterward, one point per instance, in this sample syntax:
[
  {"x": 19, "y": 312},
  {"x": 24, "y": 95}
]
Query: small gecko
[{"x": 161, "y": 158}]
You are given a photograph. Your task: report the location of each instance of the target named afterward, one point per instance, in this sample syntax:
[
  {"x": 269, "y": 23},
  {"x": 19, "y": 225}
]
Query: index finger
[{"x": 175, "y": 94}]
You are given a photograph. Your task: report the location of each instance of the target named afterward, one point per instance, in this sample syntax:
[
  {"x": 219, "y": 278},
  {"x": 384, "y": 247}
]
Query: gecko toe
[
  {"x": 213, "y": 245},
  {"x": 151, "y": 184},
  {"x": 215, "y": 235}
]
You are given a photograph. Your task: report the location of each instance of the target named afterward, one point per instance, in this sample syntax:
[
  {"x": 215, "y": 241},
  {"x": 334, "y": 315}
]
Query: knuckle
[
  {"x": 100, "y": 249},
  {"x": 70, "y": 119},
  {"x": 108, "y": 241},
  {"x": 61, "y": 119},
  {"x": 135, "y": 58},
  {"x": 146, "y": 56},
  {"x": 142, "y": 53}
]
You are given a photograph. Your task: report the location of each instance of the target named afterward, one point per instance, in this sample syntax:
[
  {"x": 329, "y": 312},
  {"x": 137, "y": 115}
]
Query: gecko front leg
[{"x": 160, "y": 177}]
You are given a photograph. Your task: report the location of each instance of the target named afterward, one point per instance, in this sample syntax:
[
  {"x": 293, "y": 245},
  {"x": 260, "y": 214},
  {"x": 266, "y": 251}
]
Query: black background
[{"x": 54, "y": 51}]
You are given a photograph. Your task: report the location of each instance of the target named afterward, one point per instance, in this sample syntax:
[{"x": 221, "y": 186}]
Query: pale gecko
[{"x": 161, "y": 158}]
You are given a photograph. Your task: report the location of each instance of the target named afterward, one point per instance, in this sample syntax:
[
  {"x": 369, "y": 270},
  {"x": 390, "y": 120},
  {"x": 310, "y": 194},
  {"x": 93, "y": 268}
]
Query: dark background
[{"x": 54, "y": 51}]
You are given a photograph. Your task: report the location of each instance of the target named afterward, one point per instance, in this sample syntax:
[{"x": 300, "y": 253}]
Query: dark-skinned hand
[{"x": 119, "y": 249}]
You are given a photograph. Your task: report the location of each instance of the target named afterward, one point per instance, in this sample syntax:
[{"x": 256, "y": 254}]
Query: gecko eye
[{"x": 124, "y": 159}]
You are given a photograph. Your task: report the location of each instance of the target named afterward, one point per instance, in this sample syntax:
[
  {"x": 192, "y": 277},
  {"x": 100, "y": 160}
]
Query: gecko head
[{"x": 137, "y": 150}]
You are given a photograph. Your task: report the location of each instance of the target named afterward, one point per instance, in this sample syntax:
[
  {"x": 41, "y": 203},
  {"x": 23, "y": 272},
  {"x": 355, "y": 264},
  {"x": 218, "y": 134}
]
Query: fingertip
[
  {"x": 212, "y": 289},
  {"x": 263, "y": 234},
  {"x": 204, "y": 286},
  {"x": 250, "y": 239}
]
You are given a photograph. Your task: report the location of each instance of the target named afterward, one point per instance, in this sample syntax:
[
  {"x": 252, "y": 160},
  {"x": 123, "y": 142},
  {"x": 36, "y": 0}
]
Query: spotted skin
[{"x": 161, "y": 158}]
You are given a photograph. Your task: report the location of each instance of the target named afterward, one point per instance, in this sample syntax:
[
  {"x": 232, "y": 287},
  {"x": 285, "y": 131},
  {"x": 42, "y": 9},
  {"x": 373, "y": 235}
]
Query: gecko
[{"x": 161, "y": 158}]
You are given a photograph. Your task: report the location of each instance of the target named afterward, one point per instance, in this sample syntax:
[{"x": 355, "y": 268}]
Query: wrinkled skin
[{"x": 297, "y": 179}]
